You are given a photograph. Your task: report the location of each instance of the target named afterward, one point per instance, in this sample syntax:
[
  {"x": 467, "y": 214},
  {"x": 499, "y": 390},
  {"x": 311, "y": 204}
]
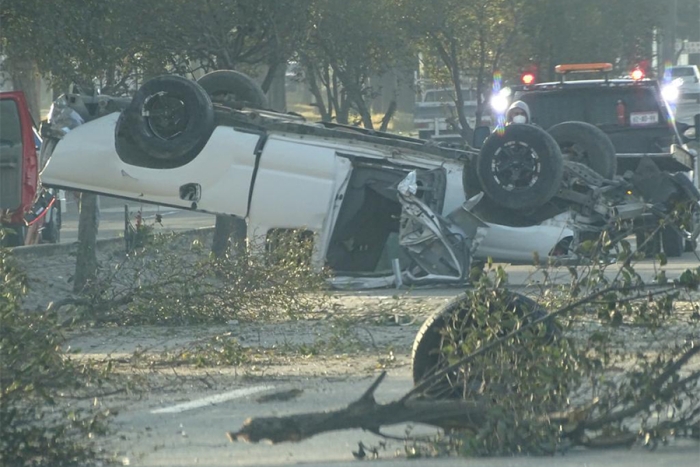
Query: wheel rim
[
  {"x": 165, "y": 115},
  {"x": 516, "y": 166}
]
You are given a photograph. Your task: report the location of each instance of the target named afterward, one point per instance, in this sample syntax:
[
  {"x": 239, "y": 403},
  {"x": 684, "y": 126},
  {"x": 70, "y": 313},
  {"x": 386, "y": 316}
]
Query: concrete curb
[{"x": 57, "y": 249}]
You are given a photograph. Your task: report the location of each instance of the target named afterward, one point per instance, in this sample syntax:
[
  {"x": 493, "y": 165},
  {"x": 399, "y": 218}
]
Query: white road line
[{"x": 211, "y": 400}]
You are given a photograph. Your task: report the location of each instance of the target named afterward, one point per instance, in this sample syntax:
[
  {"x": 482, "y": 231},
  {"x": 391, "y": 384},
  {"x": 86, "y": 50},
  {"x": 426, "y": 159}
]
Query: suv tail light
[{"x": 637, "y": 74}]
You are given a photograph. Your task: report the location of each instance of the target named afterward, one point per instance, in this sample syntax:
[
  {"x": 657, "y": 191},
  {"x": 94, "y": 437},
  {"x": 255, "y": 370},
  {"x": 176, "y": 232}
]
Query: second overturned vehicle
[{"x": 382, "y": 208}]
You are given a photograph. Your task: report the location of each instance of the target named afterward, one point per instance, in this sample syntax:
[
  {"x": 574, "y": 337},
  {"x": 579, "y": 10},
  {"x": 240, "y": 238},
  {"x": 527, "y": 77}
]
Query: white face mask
[{"x": 519, "y": 119}]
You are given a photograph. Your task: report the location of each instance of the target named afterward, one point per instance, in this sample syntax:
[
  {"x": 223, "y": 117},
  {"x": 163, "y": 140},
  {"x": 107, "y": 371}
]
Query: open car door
[{"x": 18, "y": 162}]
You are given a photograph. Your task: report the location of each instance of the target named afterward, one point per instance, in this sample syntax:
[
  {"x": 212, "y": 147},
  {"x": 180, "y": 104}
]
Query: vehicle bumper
[{"x": 678, "y": 159}]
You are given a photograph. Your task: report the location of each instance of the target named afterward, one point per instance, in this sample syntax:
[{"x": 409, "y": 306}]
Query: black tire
[
  {"x": 521, "y": 167},
  {"x": 672, "y": 241},
  {"x": 587, "y": 144},
  {"x": 234, "y": 89},
  {"x": 425, "y": 356},
  {"x": 168, "y": 122}
]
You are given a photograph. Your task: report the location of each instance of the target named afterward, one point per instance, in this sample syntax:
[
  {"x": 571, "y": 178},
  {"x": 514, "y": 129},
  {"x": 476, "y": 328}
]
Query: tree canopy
[{"x": 340, "y": 45}]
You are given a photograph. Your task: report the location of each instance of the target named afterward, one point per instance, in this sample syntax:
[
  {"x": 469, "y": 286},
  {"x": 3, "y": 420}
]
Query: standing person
[{"x": 518, "y": 112}]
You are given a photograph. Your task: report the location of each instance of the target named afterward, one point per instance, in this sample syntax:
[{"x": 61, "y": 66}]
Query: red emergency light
[
  {"x": 637, "y": 74},
  {"x": 527, "y": 78}
]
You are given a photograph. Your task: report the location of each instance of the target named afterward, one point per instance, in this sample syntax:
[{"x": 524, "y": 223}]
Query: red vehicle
[{"x": 23, "y": 204}]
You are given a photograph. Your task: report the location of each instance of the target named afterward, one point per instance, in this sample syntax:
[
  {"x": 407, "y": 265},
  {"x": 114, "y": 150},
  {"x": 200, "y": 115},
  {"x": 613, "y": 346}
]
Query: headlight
[
  {"x": 670, "y": 92},
  {"x": 501, "y": 101},
  {"x": 62, "y": 118}
]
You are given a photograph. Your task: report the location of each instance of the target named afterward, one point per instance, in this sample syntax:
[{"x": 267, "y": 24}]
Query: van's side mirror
[{"x": 480, "y": 135}]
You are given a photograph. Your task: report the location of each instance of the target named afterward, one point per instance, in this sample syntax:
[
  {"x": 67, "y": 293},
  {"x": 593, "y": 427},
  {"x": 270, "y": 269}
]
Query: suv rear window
[
  {"x": 686, "y": 71},
  {"x": 595, "y": 105}
]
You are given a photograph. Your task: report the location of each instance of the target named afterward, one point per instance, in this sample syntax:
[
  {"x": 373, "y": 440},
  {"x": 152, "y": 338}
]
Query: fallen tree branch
[
  {"x": 652, "y": 394},
  {"x": 429, "y": 381},
  {"x": 364, "y": 413}
]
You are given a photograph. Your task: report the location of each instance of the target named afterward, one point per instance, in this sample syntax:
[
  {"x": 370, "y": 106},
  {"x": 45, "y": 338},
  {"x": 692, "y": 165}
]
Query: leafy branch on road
[
  {"x": 623, "y": 368},
  {"x": 35, "y": 374},
  {"x": 167, "y": 281}
]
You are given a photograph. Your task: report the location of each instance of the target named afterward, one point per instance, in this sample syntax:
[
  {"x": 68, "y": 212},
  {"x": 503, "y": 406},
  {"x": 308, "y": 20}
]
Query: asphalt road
[
  {"x": 686, "y": 109},
  {"x": 185, "y": 424},
  {"x": 187, "y": 428}
]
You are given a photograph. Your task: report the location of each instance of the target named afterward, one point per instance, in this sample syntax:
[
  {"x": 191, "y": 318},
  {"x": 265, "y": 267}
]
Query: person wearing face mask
[{"x": 518, "y": 112}]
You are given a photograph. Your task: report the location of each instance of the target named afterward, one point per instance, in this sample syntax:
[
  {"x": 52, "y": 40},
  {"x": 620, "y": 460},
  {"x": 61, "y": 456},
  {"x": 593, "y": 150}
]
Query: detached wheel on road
[
  {"x": 587, "y": 144},
  {"x": 520, "y": 167},
  {"x": 168, "y": 122},
  {"x": 426, "y": 355},
  {"x": 233, "y": 89}
]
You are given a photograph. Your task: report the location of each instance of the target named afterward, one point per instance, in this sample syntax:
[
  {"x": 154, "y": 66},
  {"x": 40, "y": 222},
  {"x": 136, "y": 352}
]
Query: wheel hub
[
  {"x": 516, "y": 166},
  {"x": 165, "y": 115}
]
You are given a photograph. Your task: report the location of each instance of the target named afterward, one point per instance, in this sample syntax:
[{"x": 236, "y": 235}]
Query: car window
[
  {"x": 10, "y": 126},
  {"x": 678, "y": 72},
  {"x": 597, "y": 106}
]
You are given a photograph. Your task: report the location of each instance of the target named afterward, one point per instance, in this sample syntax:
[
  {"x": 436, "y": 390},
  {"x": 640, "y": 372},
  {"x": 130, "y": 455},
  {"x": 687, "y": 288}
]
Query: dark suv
[{"x": 631, "y": 112}]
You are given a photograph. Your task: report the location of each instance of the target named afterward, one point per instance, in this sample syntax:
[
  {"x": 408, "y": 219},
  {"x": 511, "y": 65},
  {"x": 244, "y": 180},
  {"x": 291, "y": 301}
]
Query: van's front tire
[{"x": 168, "y": 122}]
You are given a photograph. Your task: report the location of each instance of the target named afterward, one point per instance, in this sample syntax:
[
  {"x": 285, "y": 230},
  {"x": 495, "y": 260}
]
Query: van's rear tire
[
  {"x": 587, "y": 144},
  {"x": 520, "y": 167},
  {"x": 168, "y": 122},
  {"x": 233, "y": 89}
]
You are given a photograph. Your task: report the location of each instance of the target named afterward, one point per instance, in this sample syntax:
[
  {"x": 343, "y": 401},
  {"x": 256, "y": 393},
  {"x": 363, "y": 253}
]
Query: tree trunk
[
  {"x": 388, "y": 116},
  {"x": 228, "y": 228},
  {"x": 86, "y": 263},
  {"x": 277, "y": 93},
  {"x": 25, "y": 77}
]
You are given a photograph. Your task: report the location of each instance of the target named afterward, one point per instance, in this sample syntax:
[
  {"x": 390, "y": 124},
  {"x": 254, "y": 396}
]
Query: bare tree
[{"x": 338, "y": 60}]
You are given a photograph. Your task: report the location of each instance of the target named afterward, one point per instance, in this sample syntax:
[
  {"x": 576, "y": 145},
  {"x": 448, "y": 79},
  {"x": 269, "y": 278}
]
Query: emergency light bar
[{"x": 583, "y": 68}]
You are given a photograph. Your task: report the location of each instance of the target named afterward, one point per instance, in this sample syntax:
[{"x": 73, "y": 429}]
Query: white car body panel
[
  {"x": 520, "y": 244},
  {"x": 86, "y": 158},
  {"x": 295, "y": 185},
  {"x": 299, "y": 182}
]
